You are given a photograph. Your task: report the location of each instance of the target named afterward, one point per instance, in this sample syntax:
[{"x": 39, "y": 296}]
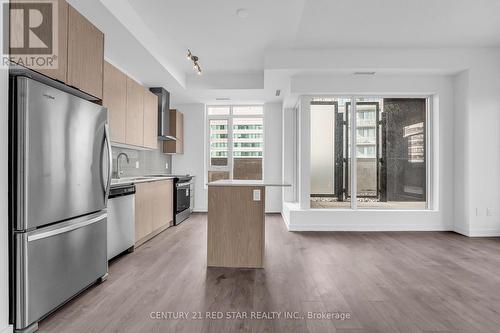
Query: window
[
  {"x": 218, "y": 142},
  {"x": 235, "y": 142},
  {"x": 218, "y": 110},
  {"x": 390, "y": 146}
]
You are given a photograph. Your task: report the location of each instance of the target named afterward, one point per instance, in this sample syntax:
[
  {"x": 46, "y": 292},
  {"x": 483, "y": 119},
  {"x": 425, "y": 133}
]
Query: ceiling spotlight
[
  {"x": 198, "y": 68},
  {"x": 364, "y": 73},
  {"x": 194, "y": 59},
  {"x": 242, "y": 13}
]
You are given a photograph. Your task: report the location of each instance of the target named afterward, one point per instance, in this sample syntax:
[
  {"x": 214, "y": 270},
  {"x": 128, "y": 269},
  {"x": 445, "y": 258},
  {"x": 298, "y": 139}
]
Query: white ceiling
[
  {"x": 226, "y": 42},
  {"x": 148, "y": 39},
  {"x": 399, "y": 23},
  {"x": 213, "y": 31}
]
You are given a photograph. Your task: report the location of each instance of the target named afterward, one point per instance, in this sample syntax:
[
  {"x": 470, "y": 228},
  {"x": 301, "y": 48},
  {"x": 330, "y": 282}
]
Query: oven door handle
[{"x": 182, "y": 185}]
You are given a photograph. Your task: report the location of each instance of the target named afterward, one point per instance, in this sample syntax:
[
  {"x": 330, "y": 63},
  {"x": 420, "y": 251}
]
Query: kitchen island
[{"x": 236, "y": 223}]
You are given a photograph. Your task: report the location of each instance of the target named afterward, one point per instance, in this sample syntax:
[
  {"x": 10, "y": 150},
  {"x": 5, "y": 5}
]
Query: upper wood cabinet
[
  {"x": 132, "y": 110},
  {"x": 85, "y": 54},
  {"x": 16, "y": 36},
  {"x": 115, "y": 100},
  {"x": 134, "y": 132},
  {"x": 80, "y": 49},
  {"x": 150, "y": 119},
  {"x": 177, "y": 130}
]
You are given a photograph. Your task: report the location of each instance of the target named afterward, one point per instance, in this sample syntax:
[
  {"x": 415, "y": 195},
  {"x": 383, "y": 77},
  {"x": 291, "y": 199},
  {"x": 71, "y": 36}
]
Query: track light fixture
[{"x": 194, "y": 59}]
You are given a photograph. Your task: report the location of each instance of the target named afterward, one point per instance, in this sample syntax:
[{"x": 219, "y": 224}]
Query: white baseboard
[
  {"x": 8, "y": 329},
  {"x": 461, "y": 231},
  {"x": 287, "y": 223},
  {"x": 477, "y": 232},
  {"x": 204, "y": 210},
  {"x": 484, "y": 233},
  {"x": 365, "y": 227}
]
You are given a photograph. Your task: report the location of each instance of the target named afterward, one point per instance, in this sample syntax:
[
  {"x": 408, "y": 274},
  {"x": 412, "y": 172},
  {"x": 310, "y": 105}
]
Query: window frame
[
  {"x": 430, "y": 156},
  {"x": 230, "y": 117}
]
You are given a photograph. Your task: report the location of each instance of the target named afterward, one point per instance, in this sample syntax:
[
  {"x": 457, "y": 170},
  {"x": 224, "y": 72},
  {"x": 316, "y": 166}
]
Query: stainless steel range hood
[{"x": 163, "y": 113}]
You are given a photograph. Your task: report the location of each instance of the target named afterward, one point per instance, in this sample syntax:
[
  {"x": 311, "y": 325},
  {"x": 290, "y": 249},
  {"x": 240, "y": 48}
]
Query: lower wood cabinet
[{"x": 154, "y": 209}]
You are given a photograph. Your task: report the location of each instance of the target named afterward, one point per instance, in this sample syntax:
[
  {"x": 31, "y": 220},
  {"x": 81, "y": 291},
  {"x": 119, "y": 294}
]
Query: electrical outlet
[
  {"x": 166, "y": 165},
  {"x": 137, "y": 164},
  {"x": 256, "y": 195}
]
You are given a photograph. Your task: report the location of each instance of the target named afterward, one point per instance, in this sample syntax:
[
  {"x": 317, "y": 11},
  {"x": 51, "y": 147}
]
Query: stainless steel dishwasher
[{"x": 121, "y": 219}]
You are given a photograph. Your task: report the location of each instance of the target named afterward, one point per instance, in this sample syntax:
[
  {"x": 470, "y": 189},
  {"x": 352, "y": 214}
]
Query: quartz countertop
[
  {"x": 227, "y": 182},
  {"x": 138, "y": 179}
]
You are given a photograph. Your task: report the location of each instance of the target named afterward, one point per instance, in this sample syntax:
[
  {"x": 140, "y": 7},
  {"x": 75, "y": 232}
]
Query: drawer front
[{"x": 54, "y": 264}]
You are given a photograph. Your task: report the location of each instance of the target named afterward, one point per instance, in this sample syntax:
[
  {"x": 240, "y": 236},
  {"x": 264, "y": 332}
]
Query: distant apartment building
[{"x": 242, "y": 139}]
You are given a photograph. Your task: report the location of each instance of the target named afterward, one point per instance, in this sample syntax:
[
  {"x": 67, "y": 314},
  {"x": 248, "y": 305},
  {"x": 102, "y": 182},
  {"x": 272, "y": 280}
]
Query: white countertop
[
  {"x": 228, "y": 182},
  {"x": 138, "y": 179}
]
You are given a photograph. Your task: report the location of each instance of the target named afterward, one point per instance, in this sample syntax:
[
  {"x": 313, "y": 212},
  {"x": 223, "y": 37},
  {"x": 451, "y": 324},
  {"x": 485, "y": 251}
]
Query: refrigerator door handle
[
  {"x": 50, "y": 233},
  {"x": 110, "y": 163}
]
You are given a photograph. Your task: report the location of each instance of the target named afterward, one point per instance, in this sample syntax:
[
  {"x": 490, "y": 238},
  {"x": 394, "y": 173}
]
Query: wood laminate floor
[{"x": 386, "y": 282}]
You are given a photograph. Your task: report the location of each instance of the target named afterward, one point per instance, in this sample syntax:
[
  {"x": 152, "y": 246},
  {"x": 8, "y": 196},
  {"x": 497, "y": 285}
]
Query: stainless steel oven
[
  {"x": 183, "y": 201},
  {"x": 182, "y": 198}
]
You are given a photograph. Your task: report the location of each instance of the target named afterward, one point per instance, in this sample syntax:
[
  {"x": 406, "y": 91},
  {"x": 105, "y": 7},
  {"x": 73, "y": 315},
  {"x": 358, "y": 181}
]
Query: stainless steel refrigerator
[{"x": 60, "y": 173}]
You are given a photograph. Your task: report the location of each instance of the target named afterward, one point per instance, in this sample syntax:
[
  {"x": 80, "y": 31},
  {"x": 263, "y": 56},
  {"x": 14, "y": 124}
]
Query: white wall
[
  {"x": 483, "y": 147},
  {"x": 193, "y": 159},
  {"x": 272, "y": 154},
  {"x": 298, "y": 215},
  {"x": 461, "y": 150},
  {"x": 4, "y": 266},
  {"x": 288, "y": 154}
]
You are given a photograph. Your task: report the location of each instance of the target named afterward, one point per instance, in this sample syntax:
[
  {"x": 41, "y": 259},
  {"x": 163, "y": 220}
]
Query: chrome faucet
[{"x": 119, "y": 171}]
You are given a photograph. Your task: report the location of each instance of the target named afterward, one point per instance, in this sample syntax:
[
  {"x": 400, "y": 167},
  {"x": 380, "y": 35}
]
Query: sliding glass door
[
  {"x": 390, "y": 150},
  {"x": 330, "y": 157}
]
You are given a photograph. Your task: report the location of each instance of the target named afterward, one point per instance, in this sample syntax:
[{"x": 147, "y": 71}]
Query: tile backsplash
[{"x": 151, "y": 162}]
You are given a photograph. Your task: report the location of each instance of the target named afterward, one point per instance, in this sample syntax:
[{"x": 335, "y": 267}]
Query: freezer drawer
[{"x": 55, "y": 263}]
